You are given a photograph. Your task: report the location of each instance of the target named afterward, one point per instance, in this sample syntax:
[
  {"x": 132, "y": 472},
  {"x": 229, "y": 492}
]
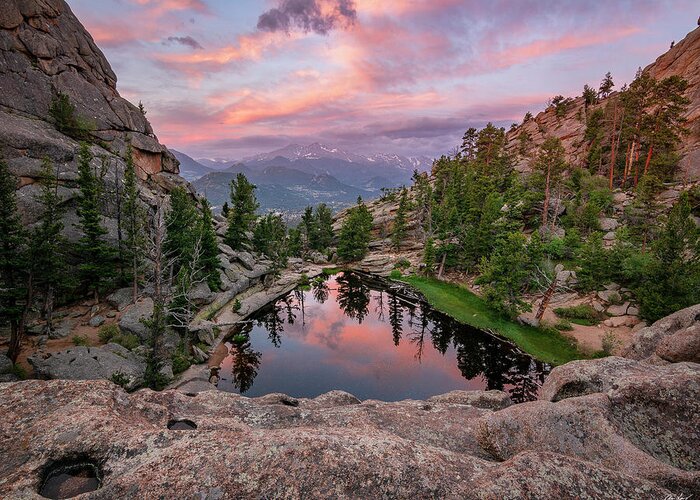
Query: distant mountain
[
  {"x": 216, "y": 163},
  {"x": 283, "y": 189},
  {"x": 295, "y": 176},
  {"x": 351, "y": 168},
  {"x": 190, "y": 168}
]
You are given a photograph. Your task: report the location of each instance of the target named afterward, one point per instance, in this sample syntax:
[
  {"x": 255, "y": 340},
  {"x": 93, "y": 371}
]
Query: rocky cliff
[
  {"x": 683, "y": 59},
  {"x": 608, "y": 428},
  {"x": 44, "y": 52}
]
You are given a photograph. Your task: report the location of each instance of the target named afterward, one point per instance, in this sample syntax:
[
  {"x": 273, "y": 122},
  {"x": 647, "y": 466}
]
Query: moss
[{"x": 547, "y": 345}]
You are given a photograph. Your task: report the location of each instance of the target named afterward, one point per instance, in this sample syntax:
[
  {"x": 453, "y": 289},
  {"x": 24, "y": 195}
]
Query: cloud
[
  {"x": 319, "y": 16},
  {"x": 187, "y": 41}
]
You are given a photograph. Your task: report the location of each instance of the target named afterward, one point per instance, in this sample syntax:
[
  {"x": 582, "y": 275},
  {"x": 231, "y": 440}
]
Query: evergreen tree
[
  {"x": 95, "y": 254},
  {"x": 400, "y": 228},
  {"x": 550, "y": 164},
  {"x": 13, "y": 263},
  {"x": 355, "y": 233},
  {"x": 47, "y": 254},
  {"x": 671, "y": 280},
  {"x": 429, "y": 257},
  {"x": 309, "y": 230},
  {"x": 294, "y": 244},
  {"x": 134, "y": 225},
  {"x": 225, "y": 209},
  {"x": 241, "y": 213},
  {"x": 182, "y": 222},
  {"x": 606, "y": 86},
  {"x": 507, "y": 273},
  {"x": 210, "y": 248},
  {"x": 644, "y": 210},
  {"x": 324, "y": 227},
  {"x": 269, "y": 238}
]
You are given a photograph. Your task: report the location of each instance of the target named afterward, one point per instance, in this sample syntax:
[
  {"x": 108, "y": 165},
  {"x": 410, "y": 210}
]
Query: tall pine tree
[
  {"x": 95, "y": 254},
  {"x": 210, "y": 247},
  {"x": 12, "y": 261},
  {"x": 241, "y": 214},
  {"x": 133, "y": 218},
  {"x": 48, "y": 247}
]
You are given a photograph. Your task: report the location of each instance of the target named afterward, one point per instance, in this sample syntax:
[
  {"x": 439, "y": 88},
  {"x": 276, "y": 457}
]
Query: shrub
[
  {"x": 80, "y": 340},
  {"x": 402, "y": 264},
  {"x": 127, "y": 340},
  {"x": 120, "y": 379},
  {"x": 610, "y": 342},
  {"x": 236, "y": 306},
  {"x": 582, "y": 314},
  {"x": 67, "y": 120},
  {"x": 304, "y": 280},
  {"x": 563, "y": 325},
  {"x": 181, "y": 361},
  {"x": 395, "y": 274},
  {"x": 107, "y": 332},
  {"x": 19, "y": 372}
]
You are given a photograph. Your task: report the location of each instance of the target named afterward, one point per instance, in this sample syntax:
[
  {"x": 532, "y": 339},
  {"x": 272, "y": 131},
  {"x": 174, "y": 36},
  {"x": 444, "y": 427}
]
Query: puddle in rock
[
  {"x": 181, "y": 425},
  {"x": 67, "y": 481}
]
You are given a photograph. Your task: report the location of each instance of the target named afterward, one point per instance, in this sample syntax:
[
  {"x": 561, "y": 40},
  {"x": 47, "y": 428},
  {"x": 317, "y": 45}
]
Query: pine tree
[
  {"x": 241, "y": 213},
  {"x": 269, "y": 238},
  {"x": 400, "y": 228},
  {"x": 355, "y": 233},
  {"x": 309, "y": 229},
  {"x": 47, "y": 253},
  {"x": 324, "y": 227},
  {"x": 95, "y": 254},
  {"x": 210, "y": 248},
  {"x": 182, "y": 222},
  {"x": 671, "y": 281},
  {"x": 13, "y": 262},
  {"x": 225, "y": 209},
  {"x": 550, "y": 163},
  {"x": 134, "y": 216},
  {"x": 606, "y": 86},
  {"x": 429, "y": 257}
]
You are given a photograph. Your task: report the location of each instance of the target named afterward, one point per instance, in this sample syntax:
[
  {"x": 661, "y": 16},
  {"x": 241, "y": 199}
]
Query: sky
[{"x": 231, "y": 78}]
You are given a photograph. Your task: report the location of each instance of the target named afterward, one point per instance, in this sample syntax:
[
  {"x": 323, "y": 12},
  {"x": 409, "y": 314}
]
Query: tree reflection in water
[
  {"x": 245, "y": 360},
  {"x": 478, "y": 354}
]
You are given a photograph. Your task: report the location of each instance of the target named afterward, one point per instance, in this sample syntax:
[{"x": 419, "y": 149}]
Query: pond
[{"x": 372, "y": 338}]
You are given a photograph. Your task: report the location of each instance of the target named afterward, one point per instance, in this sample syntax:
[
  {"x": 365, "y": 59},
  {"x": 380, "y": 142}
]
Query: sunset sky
[{"x": 229, "y": 78}]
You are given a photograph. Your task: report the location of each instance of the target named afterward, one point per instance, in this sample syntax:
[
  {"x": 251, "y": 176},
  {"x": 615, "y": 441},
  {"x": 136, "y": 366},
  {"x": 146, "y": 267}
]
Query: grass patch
[
  {"x": 330, "y": 271},
  {"x": 461, "y": 304},
  {"x": 582, "y": 314}
]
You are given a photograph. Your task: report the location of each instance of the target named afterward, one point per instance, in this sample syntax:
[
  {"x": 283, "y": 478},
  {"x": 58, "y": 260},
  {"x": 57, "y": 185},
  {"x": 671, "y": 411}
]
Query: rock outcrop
[
  {"x": 683, "y": 59},
  {"x": 608, "y": 428},
  {"x": 44, "y": 52}
]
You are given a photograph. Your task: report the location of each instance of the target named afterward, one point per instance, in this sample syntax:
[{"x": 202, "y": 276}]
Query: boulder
[
  {"x": 91, "y": 363},
  {"x": 646, "y": 340},
  {"x": 205, "y": 332},
  {"x": 6, "y": 364},
  {"x": 200, "y": 294},
  {"x": 62, "y": 329},
  {"x": 579, "y": 378},
  {"x": 683, "y": 345},
  {"x": 199, "y": 355},
  {"x": 617, "y": 321},
  {"x": 609, "y": 296},
  {"x": 633, "y": 311},
  {"x": 132, "y": 320},
  {"x": 245, "y": 259},
  {"x": 96, "y": 321},
  {"x": 490, "y": 400},
  {"x": 609, "y": 236},
  {"x": 608, "y": 224},
  {"x": 120, "y": 299},
  {"x": 618, "y": 310}
]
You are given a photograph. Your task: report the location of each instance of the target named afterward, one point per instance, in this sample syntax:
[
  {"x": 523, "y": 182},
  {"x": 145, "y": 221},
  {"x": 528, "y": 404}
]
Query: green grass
[{"x": 546, "y": 345}]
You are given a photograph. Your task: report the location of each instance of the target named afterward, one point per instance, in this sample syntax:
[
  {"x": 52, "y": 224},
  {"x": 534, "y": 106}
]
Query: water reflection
[{"x": 373, "y": 340}]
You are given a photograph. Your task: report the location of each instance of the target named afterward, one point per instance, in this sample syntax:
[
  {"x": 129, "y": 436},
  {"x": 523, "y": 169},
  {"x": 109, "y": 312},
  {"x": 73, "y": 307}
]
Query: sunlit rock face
[
  {"x": 44, "y": 51},
  {"x": 683, "y": 60}
]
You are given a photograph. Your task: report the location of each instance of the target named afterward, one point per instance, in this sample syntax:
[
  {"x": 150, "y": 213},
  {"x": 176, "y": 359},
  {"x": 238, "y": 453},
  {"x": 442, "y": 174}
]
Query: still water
[{"x": 373, "y": 339}]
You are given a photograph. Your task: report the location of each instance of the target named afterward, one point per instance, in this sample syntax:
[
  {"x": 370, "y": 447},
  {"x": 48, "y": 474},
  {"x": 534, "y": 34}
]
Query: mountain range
[{"x": 293, "y": 177}]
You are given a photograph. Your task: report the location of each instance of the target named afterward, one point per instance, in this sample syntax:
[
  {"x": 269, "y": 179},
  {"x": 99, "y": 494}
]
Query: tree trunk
[
  {"x": 442, "y": 265},
  {"x": 545, "y": 208},
  {"x": 48, "y": 308},
  {"x": 17, "y": 328},
  {"x": 646, "y": 164},
  {"x": 135, "y": 280},
  {"x": 545, "y": 299}
]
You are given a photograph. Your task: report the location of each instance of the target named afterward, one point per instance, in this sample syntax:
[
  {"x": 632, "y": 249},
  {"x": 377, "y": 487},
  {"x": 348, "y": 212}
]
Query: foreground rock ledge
[{"x": 639, "y": 439}]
